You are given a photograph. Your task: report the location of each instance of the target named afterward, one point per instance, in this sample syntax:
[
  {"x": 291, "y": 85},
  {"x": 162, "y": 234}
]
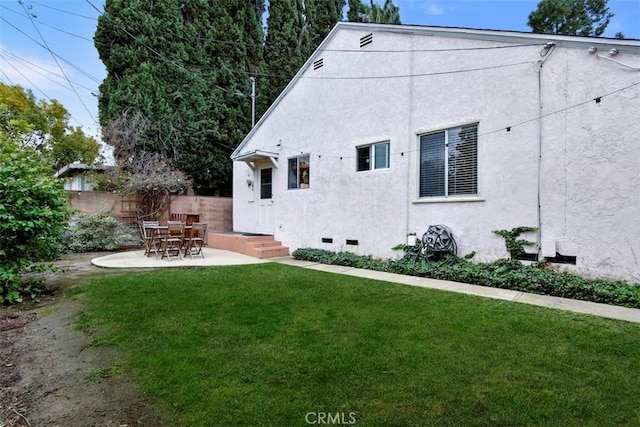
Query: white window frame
[
  {"x": 447, "y": 197},
  {"x": 299, "y": 184},
  {"x": 371, "y": 161}
]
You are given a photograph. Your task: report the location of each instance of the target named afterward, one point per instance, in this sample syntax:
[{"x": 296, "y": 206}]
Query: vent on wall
[
  {"x": 563, "y": 259},
  {"x": 366, "y": 40},
  {"x": 327, "y": 240},
  {"x": 318, "y": 64},
  {"x": 352, "y": 242}
]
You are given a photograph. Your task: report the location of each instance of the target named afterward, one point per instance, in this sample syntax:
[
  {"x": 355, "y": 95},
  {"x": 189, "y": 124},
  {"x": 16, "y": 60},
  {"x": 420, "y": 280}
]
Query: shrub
[
  {"x": 503, "y": 273},
  {"x": 515, "y": 246},
  {"x": 98, "y": 232},
  {"x": 33, "y": 215}
]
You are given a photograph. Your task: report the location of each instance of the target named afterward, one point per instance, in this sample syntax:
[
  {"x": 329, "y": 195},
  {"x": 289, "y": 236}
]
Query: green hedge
[{"x": 503, "y": 273}]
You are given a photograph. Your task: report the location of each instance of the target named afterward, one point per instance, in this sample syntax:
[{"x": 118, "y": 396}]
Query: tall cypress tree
[
  {"x": 295, "y": 29},
  {"x": 357, "y": 11},
  {"x": 182, "y": 65},
  {"x": 283, "y": 54},
  {"x": 322, "y": 16}
]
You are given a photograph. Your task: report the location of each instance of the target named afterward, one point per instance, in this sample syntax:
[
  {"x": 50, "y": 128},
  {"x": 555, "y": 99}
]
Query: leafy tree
[
  {"x": 388, "y": 13},
  {"x": 45, "y": 127},
  {"x": 570, "y": 17},
  {"x": 358, "y": 11},
  {"x": 182, "y": 65},
  {"x": 145, "y": 174},
  {"x": 33, "y": 213}
]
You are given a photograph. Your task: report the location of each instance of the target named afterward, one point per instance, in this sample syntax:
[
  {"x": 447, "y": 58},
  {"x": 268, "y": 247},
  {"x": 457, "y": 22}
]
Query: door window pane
[{"x": 265, "y": 183}]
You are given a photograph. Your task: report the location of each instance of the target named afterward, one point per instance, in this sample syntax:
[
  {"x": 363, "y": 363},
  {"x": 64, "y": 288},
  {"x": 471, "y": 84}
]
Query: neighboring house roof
[
  {"x": 74, "y": 168},
  {"x": 601, "y": 43}
]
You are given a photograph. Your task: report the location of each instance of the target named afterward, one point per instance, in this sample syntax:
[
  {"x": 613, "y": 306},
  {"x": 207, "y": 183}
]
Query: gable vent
[
  {"x": 366, "y": 40},
  {"x": 318, "y": 64}
]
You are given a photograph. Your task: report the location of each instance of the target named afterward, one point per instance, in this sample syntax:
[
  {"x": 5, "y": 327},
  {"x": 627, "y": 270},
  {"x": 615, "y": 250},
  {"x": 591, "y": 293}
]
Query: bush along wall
[{"x": 503, "y": 273}]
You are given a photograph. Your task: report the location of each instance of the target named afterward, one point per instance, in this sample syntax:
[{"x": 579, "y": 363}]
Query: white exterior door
[{"x": 265, "y": 205}]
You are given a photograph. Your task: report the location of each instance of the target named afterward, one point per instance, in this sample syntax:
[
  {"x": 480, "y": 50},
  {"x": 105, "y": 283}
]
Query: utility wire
[
  {"x": 57, "y": 63},
  {"x": 33, "y": 66},
  {"x": 158, "y": 54},
  {"x": 27, "y": 79},
  {"x": 51, "y": 52},
  {"x": 268, "y": 75},
  {"x": 365, "y": 50},
  {"x": 64, "y": 11},
  {"x": 45, "y": 24},
  {"x": 399, "y": 76}
]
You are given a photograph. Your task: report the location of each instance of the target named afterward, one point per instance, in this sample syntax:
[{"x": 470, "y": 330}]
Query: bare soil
[{"x": 51, "y": 375}]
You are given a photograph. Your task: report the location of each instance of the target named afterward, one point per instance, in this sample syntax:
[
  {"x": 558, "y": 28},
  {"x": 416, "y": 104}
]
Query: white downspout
[
  {"x": 545, "y": 53},
  {"x": 411, "y": 140}
]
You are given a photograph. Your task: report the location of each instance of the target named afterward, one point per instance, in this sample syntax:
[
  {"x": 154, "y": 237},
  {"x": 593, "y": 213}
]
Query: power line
[
  {"x": 24, "y": 62},
  {"x": 158, "y": 54},
  {"x": 33, "y": 85},
  {"x": 57, "y": 63},
  {"x": 27, "y": 79},
  {"x": 55, "y": 55},
  {"x": 399, "y": 76},
  {"x": 365, "y": 50},
  {"x": 45, "y": 24},
  {"x": 64, "y": 11}
]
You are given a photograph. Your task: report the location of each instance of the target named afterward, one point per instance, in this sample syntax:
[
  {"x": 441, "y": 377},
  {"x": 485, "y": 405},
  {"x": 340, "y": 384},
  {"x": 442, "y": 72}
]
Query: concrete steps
[{"x": 257, "y": 246}]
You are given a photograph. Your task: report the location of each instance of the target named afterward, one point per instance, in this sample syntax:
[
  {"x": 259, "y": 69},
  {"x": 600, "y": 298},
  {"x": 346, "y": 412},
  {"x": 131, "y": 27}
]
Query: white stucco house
[{"x": 388, "y": 129}]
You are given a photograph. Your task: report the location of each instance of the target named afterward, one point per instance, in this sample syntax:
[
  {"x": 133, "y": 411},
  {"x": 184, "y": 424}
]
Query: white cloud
[
  {"x": 433, "y": 8},
  {"x": 30, "y": 72}
]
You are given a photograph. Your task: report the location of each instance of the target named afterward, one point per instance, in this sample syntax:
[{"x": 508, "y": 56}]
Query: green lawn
[{"x": 276, "y": 345}]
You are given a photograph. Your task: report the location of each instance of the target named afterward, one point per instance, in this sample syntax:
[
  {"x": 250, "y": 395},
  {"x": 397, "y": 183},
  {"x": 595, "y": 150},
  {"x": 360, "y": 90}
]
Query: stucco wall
[{"x": 574, "y": 172}]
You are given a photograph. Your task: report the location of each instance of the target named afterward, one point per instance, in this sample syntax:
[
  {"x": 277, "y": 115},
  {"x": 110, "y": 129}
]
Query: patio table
[{"x": 159, "y": 232}]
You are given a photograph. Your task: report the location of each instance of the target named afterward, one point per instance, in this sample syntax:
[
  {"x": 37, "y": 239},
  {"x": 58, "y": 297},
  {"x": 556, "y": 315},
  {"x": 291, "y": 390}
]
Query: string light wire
[{"x": 502, "y": 129}]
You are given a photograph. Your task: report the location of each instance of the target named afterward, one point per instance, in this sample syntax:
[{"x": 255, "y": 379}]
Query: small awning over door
[{"x": 251, "y": 157}]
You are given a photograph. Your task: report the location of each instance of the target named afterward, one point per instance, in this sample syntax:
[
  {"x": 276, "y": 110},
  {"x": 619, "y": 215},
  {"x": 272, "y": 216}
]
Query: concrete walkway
[{"x": 136, "y": 259}]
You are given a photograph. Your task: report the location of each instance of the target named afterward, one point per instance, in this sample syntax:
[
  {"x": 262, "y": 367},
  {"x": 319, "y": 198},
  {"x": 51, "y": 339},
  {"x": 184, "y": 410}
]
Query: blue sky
[{"x": 66, "y": 28}]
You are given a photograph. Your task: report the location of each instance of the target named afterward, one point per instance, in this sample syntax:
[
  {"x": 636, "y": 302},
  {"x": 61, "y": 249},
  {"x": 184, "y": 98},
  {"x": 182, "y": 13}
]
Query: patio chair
[
  {"x": 195, "y": 241},
  {"x": 172, "y": 242},
  {"x": 148, "y": 230}
]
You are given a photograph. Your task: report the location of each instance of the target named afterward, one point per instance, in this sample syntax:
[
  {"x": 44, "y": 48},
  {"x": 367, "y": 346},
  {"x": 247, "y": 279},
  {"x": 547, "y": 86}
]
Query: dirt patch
[{"x": 50, "y": 375}]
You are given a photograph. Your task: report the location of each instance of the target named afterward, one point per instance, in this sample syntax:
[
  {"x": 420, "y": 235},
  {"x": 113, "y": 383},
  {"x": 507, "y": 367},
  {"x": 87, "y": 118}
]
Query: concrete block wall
[{"x": 216, "y": 212}]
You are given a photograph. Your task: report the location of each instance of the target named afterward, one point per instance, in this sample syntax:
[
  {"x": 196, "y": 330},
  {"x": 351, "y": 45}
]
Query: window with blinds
[{"x": 449, "y": 162}]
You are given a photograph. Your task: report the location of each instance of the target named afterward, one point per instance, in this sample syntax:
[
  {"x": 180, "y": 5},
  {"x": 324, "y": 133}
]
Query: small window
[
  {"x": 374, "y": 156},
  {"x": 299, "y": 172}
]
